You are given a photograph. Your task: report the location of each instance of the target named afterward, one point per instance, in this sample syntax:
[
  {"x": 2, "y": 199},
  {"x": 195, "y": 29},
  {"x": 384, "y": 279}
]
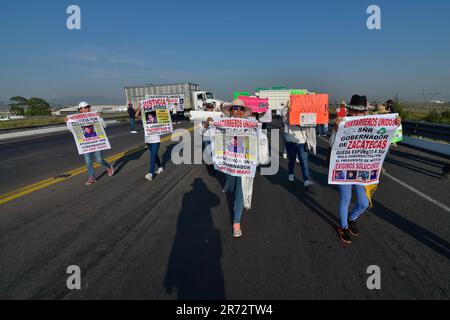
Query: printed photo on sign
[
  {"x": 237, "y": 144},
  {"x": 363, "y": 175},
  {"x": 339, "y": 175},
  {"x": 151, "y": 117},
  {"x": 351, "y": 175},
  {"x": 374, "y": 175},
  {"x": 89, "y": 131}
]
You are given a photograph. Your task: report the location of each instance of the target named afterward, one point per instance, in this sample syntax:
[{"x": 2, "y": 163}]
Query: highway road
[{"x": 172, "y": 238}]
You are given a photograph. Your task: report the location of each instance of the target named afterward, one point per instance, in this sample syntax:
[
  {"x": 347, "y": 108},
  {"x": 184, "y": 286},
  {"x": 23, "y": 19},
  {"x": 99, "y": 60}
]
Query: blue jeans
[
  {"x": 346, "y": 197},
  {"x": 133, "y": 124},
  {"x": 99, "y": 157},
  {"x": 294, "y": 150},
  {"x": 234, "y": 186},
  {"x": 153, "y": 149}
]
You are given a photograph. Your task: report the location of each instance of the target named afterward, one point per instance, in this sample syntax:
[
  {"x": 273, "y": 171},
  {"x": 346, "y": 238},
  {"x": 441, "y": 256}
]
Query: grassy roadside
[{"x": 40, "y": 121}]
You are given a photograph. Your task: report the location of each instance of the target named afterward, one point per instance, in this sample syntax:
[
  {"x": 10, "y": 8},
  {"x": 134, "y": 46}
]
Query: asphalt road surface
[{"x": 172, "y": 238}]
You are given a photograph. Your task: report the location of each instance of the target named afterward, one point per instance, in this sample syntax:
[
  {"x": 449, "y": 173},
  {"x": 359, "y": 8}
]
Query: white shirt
[{"x": 152, "y": 139}]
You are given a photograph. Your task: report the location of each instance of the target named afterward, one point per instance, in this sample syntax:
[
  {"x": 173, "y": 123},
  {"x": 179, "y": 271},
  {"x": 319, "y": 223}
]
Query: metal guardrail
[
  {"x": 437, "y": 131},
  {"x": 427, "y": 130},
  {"x": 51, "y": 125}
]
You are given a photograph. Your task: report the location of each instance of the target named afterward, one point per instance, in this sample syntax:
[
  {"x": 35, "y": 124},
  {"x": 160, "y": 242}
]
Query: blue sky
[{"x": 224, "y": 46}]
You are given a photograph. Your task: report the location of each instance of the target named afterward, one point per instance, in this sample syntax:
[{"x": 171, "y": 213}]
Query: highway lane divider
[{"x": 18, "y": 193}]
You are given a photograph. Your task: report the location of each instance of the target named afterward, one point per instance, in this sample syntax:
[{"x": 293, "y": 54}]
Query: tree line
[{"x": 21, "y": 106}]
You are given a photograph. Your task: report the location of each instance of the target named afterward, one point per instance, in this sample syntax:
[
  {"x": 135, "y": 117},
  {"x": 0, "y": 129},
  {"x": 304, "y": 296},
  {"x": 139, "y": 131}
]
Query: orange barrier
[{"x": 311, "y": 103}]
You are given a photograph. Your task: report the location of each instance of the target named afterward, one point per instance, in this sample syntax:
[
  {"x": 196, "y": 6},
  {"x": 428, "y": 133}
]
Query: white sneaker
[
  {"x": 149, "y": 177},
  {"x": 134, "y": 132},
  {"x": 159, "y": 171},
  {"x": 291, "y": 178},
  {"x": 284, "y": 155},
  {"x": 308, "y": 183},
  {"x": 296, "y": 160}
]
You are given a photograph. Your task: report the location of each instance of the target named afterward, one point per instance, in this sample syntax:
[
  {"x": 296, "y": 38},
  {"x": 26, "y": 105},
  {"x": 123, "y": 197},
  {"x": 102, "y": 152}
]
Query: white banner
[
  {"x": 204, "y": 115},
  {"x": 234, "y": 144},
  {"x": 360, "y": 148},
  {"x": 88, "y": 132}
]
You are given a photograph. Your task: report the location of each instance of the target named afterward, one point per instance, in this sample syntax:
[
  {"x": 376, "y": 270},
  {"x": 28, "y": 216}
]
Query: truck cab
[{"x": 201, "y": 97}]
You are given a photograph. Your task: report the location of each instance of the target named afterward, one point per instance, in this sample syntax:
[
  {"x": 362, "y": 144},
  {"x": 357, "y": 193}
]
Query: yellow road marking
[{"x": 7, "y": 197}]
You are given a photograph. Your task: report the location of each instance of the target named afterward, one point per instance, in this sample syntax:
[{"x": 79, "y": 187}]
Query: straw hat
[{"x": 236, "y": 103}]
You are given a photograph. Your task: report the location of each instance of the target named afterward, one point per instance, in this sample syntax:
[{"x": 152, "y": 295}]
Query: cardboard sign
[
  {"x": 311, "y": 103},
  {"x": 88, "y": 132},
  {"x": 156, "y": 116},
  {"x": 258, "y": 105},
  {"x": 235, "y": 146},
  {"x": 236, "y": 95},
  {"x": 359, "y": 149}
]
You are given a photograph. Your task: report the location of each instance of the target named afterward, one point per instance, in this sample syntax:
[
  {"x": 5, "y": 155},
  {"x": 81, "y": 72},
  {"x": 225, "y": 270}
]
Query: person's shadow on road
[
  {"x": 194, "y": 267},
  {"x": 129, "y": 156}
]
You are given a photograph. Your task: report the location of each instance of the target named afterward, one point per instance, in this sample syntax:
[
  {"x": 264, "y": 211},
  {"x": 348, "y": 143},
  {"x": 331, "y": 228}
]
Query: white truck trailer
[
  {"x": 278, "y": 98},
  {"x": 194, "y": 97}
]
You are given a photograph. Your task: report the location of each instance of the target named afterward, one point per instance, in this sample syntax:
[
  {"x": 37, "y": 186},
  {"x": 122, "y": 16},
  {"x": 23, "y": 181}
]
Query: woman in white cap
[
  {"x": 84, "y": 107},
  {"x": 237, "y": 109}
]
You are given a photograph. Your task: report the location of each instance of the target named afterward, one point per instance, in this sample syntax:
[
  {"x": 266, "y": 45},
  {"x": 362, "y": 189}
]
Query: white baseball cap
[{"x": 83, "y": 104}]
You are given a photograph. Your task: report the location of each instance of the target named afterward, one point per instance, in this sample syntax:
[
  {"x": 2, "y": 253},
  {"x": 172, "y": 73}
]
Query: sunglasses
[{"x": 236, "y": 108}]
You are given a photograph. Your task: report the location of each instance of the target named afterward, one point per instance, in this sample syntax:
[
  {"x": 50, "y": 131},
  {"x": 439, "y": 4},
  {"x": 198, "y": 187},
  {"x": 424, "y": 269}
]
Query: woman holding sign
[
  {"x": 89, "y": 132},
  {"x": 153, "y": 143},
  {"x": 237, "y": 109},
  {"x": 358, "y": 107}
]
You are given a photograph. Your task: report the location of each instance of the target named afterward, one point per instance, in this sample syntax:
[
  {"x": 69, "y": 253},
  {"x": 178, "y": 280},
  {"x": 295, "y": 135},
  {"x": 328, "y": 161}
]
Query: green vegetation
[
  {"x": 29, "y": 107},
  {"x": 30, "y": 122},
  {"x": 422, "y": 112}
]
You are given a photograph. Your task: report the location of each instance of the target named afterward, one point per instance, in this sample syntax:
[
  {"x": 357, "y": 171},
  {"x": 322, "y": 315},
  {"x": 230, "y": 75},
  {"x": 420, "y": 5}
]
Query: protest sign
[
  {"x": 308, "y": 110},
  {"x": 236, "y": 95},
  {"x": 234, "y": 143},
  {"x": 204, "y": 115},
  {"x": 260, "y": 106},
  {"x": 88, "y": 132},
  {"x": 359, "y": 149},
  {"x": 176, "y": 101},
  {"x": 156, "y": 116}
]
